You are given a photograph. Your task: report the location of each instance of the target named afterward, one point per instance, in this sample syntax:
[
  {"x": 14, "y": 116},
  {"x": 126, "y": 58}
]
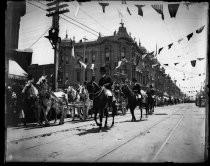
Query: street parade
[{"x": 107, "y": 97}]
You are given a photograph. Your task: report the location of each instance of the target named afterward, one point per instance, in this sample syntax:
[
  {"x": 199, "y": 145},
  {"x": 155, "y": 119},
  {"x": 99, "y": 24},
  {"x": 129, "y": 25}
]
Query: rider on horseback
[
  {"x": 150, "y": 92},
  {"x": 137, "y": 89},
  {"x": 106, "y": 82}
]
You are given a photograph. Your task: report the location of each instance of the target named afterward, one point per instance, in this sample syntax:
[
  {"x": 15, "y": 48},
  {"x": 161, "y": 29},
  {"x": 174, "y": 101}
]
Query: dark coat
[
  {"x": 106, "y": 81},
  {"x": 137, "y": 88},
  {"x": 150, "y": 92}
]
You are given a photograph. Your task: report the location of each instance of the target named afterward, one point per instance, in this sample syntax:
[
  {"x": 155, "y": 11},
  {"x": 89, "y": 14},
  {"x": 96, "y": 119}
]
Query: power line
[
  {"x": 40, "y": 37},
  {"x": 75, "y": 21}
]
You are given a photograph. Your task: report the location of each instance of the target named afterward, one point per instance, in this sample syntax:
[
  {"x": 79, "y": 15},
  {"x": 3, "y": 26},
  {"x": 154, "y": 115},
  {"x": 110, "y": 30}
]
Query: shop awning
[{"x": 16, "y": 72}]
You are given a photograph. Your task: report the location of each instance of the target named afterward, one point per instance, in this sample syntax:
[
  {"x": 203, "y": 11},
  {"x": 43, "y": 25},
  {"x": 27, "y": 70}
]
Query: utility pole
[
  {"x": 84, "y": 74},
  {"x": 53, "y": 33}
]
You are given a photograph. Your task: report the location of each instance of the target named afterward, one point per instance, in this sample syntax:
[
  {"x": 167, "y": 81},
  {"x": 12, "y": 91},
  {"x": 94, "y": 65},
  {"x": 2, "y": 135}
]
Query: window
[
  {"x": 123, "y": 52},
  {"x": 107, "y": 54},
  {"x": 67, "y": 76},
  {"x": 78, "y": 76},
  {"x": 93, "y": 58},
  {"x": 67, "y": 60}
]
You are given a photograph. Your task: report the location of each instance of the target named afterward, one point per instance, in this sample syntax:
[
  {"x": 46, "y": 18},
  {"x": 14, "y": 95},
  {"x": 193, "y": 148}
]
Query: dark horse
[
  {"x": 132, "y": 101},
  {"x": 101, "y": 103}
]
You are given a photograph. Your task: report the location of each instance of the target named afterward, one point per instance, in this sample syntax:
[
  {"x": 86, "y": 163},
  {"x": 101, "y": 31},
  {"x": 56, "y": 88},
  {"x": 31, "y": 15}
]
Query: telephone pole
[{"x": 53, "y": 33}]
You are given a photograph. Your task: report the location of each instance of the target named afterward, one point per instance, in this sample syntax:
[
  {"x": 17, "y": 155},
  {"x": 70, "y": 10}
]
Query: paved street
[{"x": 172, "y": 134}]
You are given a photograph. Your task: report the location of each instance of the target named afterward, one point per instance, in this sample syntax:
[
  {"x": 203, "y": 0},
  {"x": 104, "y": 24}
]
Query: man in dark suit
[{"x": 137, "y": 89}]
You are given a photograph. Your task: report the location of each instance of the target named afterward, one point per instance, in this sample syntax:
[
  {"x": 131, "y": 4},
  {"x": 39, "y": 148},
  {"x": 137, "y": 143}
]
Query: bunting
[
  {"x": 83, "y": 64},
  {"x": 176, "y": 64},
  {"x": 128, "y": 11},
  {"x": 173, "y": 9},
  {"x": 160, "y": 49},
  {"x": 166, "y": 64},
  {"x": 189, "y": 36},
  {"x": 143, "y": 56},
  {"x": 92, "y": 66},
  {"x": 159, "y": 9},
  {"x": 103, "y": 5},
  {"x": 140, "y": 12},
  {"x": 169, "y": 46},
  {"x": 200, "y": 29},
  {"x": 193, "y": 63},
  {"x": 72, "y": 52},
  {"x": 200, "y": 59},
  {"x": 119, "y": 64}
]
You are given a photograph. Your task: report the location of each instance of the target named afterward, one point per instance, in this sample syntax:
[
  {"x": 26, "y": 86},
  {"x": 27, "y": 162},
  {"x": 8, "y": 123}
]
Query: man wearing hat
[
  {"x": 137, "y": 89},
  {"x": 106, "y": 81}
]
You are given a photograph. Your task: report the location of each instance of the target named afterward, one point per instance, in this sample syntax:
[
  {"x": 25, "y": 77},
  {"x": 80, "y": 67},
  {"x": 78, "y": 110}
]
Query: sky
[{"x": 150, "y": 29}]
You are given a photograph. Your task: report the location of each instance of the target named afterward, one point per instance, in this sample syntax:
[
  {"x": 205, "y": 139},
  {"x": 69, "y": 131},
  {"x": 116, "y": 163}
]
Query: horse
[
  {"x": 101, "y": 103},
  {"x": 50, "y": 102},
  {"x": 133, "y": 101},
  {"x": 84, "y": 97},
  {"x": 30, "y": 101}
]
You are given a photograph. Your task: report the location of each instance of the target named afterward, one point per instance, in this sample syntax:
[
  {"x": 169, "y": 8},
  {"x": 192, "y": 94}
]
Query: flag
[
  {"x": 173, "y": 9},
  {"x": 77, "y": 10},
  {"x": 82, "y": 64},
  {"x": 140, "y": 12},
  {"x": 103, "y": 6},
  {"x": 120, "y": 14},
  {"x": 143, "y": 56},
  {"x": 128, "y": 11},
  {"x": 92, "y": 66},
  {"x": 169, "y": 46},
  {"x": 160, "y": 50},
  {"x": 166, "y": 64},
  {"x": 154, "y": 65},
  {"x": 200, "y": 29},
  {"x": 179, "y": 41},
  {"x": 200, "y": 59},
  {"x": 189, "y": 36},
  {"x": 193, "y": 63},
  {"x": 176, "y": 64},
  {"x": 72, "y": 51},
  {"x": 159, "y": 9},
  {"x": 119, "y": 64}
]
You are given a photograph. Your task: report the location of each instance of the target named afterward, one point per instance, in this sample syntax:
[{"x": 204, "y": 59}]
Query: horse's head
[
  {"x": 30, "y": 89},
  {"x": 125, "y": 89},
  {"x": 92, "y": 88},
  {"x": 42, "y": 80}
]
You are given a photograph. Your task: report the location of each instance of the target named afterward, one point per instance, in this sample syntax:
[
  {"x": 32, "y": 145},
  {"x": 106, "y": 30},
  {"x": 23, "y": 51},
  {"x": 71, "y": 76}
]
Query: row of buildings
[{"x": 107, "y": 51}]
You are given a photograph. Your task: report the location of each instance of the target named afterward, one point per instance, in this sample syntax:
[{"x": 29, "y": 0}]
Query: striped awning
[{"x": 16, "y": 72}]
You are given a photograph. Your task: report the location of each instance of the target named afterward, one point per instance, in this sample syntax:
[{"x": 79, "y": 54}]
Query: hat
[
  {"x": 102, "y": 69},
  {"x": 134, "y": 80}
]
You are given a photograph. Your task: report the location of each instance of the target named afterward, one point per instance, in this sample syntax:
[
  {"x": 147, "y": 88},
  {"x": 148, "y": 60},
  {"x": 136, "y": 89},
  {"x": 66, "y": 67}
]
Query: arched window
[
  {"x": 123, "y": 52},
  {"x": 107, "y": 55}
]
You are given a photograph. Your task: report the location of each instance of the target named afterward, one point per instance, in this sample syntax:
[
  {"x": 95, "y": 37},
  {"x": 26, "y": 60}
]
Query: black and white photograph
[{"x": 98, "y": 81}]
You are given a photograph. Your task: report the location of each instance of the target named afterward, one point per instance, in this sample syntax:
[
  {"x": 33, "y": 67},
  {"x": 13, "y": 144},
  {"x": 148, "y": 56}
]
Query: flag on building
[
  {"x": 160, "y": 50},
  {"x": 200, "y": 29},
  {"x": 119, "y": 64},
  {"x": 103, "y": 5},
  {"x": 173, "y": 9},
  {"x": 92, "y": 66},
  {"x": 82, "y": 64},
  {"x": 159, "y": 9},
  {"x": 140, "y": 12}
]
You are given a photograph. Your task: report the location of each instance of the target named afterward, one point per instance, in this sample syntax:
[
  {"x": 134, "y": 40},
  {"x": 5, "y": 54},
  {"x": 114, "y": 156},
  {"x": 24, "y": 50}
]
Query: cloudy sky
[{"x": 150, "y": 29}]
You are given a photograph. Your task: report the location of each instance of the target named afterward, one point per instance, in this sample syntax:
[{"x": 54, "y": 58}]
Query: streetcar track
[{"x": 132, "y": 138}]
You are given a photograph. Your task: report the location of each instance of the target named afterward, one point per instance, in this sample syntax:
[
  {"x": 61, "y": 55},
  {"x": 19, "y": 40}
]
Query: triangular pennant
[
  {"x": 128, "y": 11},
  {"x": 173, "y": 9},
  {"x": 176, "y": 64},
  {"x": 179, "y": 41},
  {"x": 103, "y": 6},
  {"x": 143, "y": 56},
  {"x": 169, "y": 46},
  {"x": 72, "y": 52},
  {"x": 200, "y": 29},
  {"x": 193, "y": 63},
  {"x": 200, "y": 59},
  {"x": 140, "y": 12},
  {"x": 83, "y": 64},
  {"x": 159, "y": 9},
  {"x": 92, "y": 66},
  {"x": 189, "y": 36},
  {"x": 166, "y": 64},
  {"x": 160, "y": 50},
  {"x": 119, "y": 64}
]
